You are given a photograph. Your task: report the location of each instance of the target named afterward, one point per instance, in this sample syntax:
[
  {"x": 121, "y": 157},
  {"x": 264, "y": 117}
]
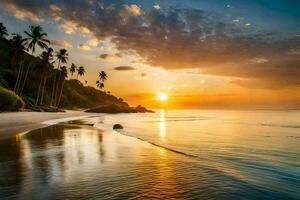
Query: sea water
[{"x": 169, "y": 154}]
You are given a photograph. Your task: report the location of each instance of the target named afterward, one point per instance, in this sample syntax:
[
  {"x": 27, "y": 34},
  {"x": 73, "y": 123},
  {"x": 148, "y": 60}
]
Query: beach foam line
[
  {"x": 56, "y": 121},
  {"x": 158, "y": 145},
  {"x": 61, "y": 120},
  {"x": 108, "y": 127}
]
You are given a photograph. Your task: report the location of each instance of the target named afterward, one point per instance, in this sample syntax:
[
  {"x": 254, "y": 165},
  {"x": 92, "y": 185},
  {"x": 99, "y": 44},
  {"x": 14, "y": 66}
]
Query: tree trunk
[
  {"x": 54, "y": 84},
  {"x": 19, "y": 78},
  {"x": 26, "y": 75},
  {"x": 43, "y": 89},
  {"x": 25, "y": 79},
  {"x": 61, "y": 90},
  {"x": 57, "y": 90},
  {"x": 39, "y": 91}
]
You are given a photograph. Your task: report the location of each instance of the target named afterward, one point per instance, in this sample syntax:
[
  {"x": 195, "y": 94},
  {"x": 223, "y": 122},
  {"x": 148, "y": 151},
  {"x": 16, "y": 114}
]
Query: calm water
[{"x": 192, "y": 154}]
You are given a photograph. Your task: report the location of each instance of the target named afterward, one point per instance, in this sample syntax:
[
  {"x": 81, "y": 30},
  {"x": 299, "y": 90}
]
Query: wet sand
[{"x": 16, "y": 122}]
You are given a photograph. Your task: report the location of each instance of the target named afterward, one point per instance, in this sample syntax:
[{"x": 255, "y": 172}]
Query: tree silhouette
[
  {"x": 17, "y": 53},
  {"x": 61, "y": 57},
  {"x": 64, "y": 74},
  {"x": 46, "y": 61},
  {"x": 80, "y": 71},
  {"x": 103, "y": 76},
  {"x": 3, "y": 30},
  {"x": 73, "y": 69},
  {"x": 35, "y": 37}
]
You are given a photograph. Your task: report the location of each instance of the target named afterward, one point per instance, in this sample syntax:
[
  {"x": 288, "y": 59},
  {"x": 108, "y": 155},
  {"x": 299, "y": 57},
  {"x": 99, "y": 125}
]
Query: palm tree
[
  {"x": 72, "y": 69},
  {"x": 46, "y": 60},
  {"x": 17, "y": 51},
  {"x": 3, "y": 30},
  {"x": 103, "y": 76},
  {"x": 64, "y": 74},
  {"x": 35, "y": 37},
  {"x": 61, "y": 57},
  {"x": 99, "y": 84},
  {"x": 80, "y": 71}
]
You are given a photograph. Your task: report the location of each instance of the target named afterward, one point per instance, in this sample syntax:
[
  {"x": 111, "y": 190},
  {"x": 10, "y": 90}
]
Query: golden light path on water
[{"x": 162, "y": 125}]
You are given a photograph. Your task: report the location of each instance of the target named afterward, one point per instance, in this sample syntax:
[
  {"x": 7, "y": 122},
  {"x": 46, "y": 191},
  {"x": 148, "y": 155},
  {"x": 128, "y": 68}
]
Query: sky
[{"x": 201, "y": 53}]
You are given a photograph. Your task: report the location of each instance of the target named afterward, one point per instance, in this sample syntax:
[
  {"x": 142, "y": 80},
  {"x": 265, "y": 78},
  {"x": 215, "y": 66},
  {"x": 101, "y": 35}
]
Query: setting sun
[{"x": 162, "y": 97}]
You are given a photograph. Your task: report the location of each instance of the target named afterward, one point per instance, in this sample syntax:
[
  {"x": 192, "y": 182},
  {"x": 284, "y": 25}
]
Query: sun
[{"x": 162, "y": 97}]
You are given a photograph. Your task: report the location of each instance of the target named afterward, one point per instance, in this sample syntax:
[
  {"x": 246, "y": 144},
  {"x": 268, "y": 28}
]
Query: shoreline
[{"x": 12, "y": 123}]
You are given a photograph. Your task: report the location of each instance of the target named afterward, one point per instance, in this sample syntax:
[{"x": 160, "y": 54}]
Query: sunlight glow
[{"x": 162, "y": 97}]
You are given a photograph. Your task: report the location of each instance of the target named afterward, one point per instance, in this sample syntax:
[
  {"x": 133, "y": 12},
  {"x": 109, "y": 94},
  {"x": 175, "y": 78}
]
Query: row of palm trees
[{"x": 37, "y": 38}]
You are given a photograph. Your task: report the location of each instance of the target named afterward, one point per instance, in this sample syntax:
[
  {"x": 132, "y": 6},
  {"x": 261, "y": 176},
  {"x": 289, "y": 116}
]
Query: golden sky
[{"x": 208, "y": 54}]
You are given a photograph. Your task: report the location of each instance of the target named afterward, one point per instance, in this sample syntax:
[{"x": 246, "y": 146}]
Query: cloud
[
  {"x": 69, "y": 26},
  {"x": 56, "y": 12},
  {"x": 260, "y": 60},
  {"x": 84, "y": 47},
  {"x": 181, "y": 38},
  {"x": 93, "y": 42},
  {"x": 133, "y": 9},
  {"x": 61, "y": 43},
  {"x": 84, "y": 29},
  {"x": 19, "y": 12},
  {"x": 124, "y": 68},
  {"x": 156, "y": 7},
  {"x": 110, "y": 58}
]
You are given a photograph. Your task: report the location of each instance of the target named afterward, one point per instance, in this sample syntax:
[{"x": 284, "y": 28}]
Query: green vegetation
[
  {"x": 9, "y": 101},
  {"x": 42, "y": 80}
]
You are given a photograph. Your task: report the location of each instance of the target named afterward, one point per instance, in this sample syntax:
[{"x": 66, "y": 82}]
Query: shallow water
[{"x": 192, "y": 154}]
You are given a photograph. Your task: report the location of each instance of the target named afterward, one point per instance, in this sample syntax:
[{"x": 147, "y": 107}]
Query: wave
[
  {"x": 267, "y": 124},
  {"x": 108, "y": 126},
  {"x": 280, "y": 125},
  {"x": 183, "y": 119},
  {"x": 160, "y": 146}
]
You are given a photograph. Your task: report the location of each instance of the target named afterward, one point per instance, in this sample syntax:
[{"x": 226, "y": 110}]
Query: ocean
[{"x": 169, "y": 154}]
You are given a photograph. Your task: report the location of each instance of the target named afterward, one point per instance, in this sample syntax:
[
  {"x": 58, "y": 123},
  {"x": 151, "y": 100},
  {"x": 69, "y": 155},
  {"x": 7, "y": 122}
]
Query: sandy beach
[{"x": 16, "y": 122}]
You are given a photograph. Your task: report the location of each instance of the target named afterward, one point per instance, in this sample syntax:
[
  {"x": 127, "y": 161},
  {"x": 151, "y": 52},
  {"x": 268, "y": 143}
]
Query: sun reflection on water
[
  {"x": 162, "y": 125},
  {"x": 18, "y": 137}
]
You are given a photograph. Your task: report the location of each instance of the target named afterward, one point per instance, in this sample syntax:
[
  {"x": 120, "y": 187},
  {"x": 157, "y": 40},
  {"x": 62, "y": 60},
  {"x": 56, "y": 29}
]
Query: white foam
[{"x": 57, "y": 121}]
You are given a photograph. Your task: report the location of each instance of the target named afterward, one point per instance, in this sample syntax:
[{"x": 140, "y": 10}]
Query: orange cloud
[
  {"x": 61, "y": 43},
  {"x": 93, "y": 42},
  {"x": 110, "y": 58},
  {"x": 133, "y": 9},
  {"x": 84, "y": 47},
  {"x": 20, "y": 13},
  {"x": 124, "y": 68},
  {"x": 55, "y": 12}
]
